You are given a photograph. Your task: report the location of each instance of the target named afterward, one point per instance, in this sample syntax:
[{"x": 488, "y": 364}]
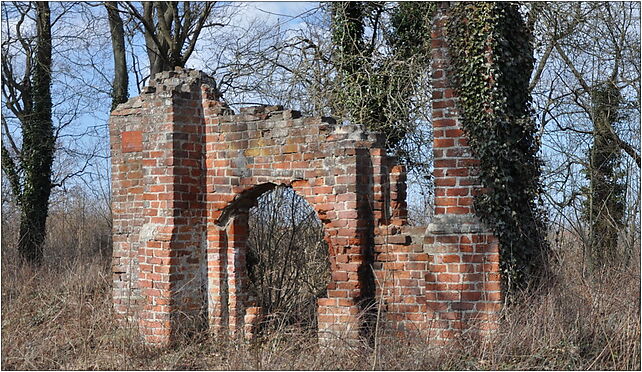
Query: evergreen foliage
[
  {"x": 492, "y": 60},
  {"x": 376, "y": 92}
]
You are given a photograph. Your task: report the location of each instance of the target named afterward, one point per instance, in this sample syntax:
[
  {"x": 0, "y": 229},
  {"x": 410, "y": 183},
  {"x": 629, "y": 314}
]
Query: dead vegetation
[{"x": 60, "y": 317}]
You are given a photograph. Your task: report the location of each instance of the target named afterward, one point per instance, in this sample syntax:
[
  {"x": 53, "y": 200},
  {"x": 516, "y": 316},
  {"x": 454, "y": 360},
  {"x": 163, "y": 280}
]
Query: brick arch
[
  {"x": 243, "y": 201},
  {"x": 247, "y": 197},
  {"x": 180, "y": 156},
  {"x": 240, "y": 313},
  {"x": 340, "y": 169}
]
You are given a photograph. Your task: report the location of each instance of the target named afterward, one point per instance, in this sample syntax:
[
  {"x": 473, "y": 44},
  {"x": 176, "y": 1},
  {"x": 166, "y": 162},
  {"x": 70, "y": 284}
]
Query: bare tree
[
  {"x": 586, "y": 50},
  {"x": 272, "y": 63},
  {"x": 171, "y": 30},
  {"x": 287, "y": 258},
  {"x": 75, "y": 101},
  {"x": 121, "y": 78},
  {"x": 28, "y": 97}
]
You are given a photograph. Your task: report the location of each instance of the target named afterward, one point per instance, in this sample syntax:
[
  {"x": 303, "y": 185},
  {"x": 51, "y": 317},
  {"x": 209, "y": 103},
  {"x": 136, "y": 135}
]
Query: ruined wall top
[
  {"x": 179, "y": 80},
  {"x": 185, "y": 168}
]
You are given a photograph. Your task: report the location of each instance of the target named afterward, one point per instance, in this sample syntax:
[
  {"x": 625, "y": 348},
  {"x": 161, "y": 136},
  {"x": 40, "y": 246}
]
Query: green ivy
[
  {"x": 410, "y": 36},
  {"x": 492, "y": 60},
  {"x": 605, "y": 201},
  {"x": 373, "y": 90}
]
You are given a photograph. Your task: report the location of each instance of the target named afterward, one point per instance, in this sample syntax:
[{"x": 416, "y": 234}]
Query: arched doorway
[
  {"x": 287, "y": 261},
  {"x": 274, "y": 263}
]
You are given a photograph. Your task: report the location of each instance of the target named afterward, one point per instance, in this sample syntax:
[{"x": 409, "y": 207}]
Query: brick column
[
  {"x": 237, "y": 279},
  {"x": 462, "y": 281},
  {"x": 158, "y": 159},
  {"x": 172, "y": 257},
  {"x": 216, "y": 198},
  {"x": 125, "y": 130}
]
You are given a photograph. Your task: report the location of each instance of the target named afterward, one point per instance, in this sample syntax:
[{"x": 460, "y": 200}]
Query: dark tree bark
[
  {"x": 29, "y": 168},
  {"x": 353, "y": 99},
  {"x": 347, "y": 35},
  {"x": 121, "y": 79},
  {"x": 369, "y": 92},
  {"x": 604, "y": 207},
  {"x": 170, "y": 31},
  {"x": 623, "y": 145}
]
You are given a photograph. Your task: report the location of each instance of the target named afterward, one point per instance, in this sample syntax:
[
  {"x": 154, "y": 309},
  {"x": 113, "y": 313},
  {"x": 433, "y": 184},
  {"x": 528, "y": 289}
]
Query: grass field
[{"x": 59, "y": 316}]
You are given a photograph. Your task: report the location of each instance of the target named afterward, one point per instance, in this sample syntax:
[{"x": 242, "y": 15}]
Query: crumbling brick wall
[
  {"x": 158, "y": 204},
  {"x": 442, "y": 279},
  {"x": 332, "y": 166},
  {"x": 186, "y": 170}
]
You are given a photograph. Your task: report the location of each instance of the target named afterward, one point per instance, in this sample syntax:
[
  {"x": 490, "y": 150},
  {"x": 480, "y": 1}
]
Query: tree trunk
[
  {"x": 153, "y": 53},
  {"x": 605, "y": 202},
  {"x": 38, "y": 146},
  {"x": 170, "y": 34},
  {"x": 119, "y": 89},
  {"x": 350, "y": 99}
]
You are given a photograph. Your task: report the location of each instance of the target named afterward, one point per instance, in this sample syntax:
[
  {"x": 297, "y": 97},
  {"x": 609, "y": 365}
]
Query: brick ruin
[{"x": 186, "y": 170}]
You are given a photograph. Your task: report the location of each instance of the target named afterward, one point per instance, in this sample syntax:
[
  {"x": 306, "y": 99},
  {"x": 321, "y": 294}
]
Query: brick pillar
[
  {"x": 217, "y": 278},
  {"x": 398, "y": 194},
  {"x": 127, "y": 204},
  {"x": 172, "y": 257},
  {"x": 339, "y": 313},
  {"x": 454, "y": 164},
  {"x": 155, "y": 235},
  {"x": 158, "y": 159},
  {"x": 462, "y": 281},
  {"x": 217, "y": 197},
  {"x": 237, "y": 234}
]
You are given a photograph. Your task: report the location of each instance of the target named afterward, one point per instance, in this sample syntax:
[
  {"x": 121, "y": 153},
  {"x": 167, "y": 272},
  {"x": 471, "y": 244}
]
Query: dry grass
[{"x": 60, "y": 317}]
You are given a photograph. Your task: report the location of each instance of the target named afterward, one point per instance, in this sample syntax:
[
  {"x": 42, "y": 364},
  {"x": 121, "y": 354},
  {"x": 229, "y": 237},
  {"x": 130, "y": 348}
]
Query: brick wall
[
  {"x": 158, "y": 205},
  {"x": 186, "y": 170},
  {"x": 332, "y": 166}
]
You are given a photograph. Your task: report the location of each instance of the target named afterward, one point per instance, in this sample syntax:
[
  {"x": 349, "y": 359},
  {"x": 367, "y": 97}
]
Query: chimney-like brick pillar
[
  {"x": 158, "y": 207},
  {"x": 462, "y": 281}
]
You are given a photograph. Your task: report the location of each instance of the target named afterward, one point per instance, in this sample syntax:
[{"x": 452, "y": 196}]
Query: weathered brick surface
[
  {"x": 186, "y": 170},
  {"x": 158, "y": 205},
  {"x": 332, "y": 166}
]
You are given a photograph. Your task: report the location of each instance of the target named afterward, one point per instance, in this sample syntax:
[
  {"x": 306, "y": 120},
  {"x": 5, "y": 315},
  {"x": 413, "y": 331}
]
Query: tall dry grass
[{"x": 59, "y": 316}]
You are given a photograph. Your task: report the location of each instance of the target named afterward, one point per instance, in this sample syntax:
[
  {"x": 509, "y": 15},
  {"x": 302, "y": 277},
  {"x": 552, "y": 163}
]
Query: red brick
[
  {"x": 448, "y": 277},
  {"x": 188, "y": 178},
  {"x": 450, "y": 258},
  {"x": 132, "y": 141},
  {"x": 471, "y": 296},
  {"x": 443, "y": 123},
  {"x": 443, "y": 142}
]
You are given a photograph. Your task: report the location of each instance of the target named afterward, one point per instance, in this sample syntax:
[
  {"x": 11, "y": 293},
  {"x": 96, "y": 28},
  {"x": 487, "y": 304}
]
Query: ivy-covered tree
[
  {"x": 349, "y": 57},
  {"x": 587, "y": 91},
  {"x": 29, "y": 167},
  {"x": 374, "y": 89},
  {"x": 492, "y": 60},
  {"x": 409, "y": 41},
  {"x": 604, "y": 205}
]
